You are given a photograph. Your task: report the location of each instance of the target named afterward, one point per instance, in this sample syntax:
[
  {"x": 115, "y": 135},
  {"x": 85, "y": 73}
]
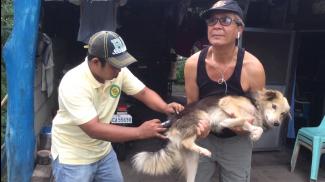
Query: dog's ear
[{"x": 270, "y": 95}]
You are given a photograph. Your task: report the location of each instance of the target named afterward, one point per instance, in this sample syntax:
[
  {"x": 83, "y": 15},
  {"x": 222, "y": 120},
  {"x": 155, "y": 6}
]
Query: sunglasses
[{"x": 224, "y": 21}]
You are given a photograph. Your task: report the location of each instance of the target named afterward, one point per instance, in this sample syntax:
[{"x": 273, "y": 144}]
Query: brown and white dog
[{"x": 260, "y": 110}]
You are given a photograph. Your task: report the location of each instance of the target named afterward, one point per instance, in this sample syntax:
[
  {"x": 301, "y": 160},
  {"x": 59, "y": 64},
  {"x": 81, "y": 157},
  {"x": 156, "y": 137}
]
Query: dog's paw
[
  {"x": 205, "y": 152},
  {"x": 256, "y": 133},
  {"x": 223, "y": 124}
]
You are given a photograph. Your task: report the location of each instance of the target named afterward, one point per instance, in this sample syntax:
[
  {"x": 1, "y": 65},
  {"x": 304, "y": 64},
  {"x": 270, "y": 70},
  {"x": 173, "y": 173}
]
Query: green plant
[
  {"x": 6, "y": 20},
  {"x": 180, "y": 70},
  {"x": 6, "y": 28}
]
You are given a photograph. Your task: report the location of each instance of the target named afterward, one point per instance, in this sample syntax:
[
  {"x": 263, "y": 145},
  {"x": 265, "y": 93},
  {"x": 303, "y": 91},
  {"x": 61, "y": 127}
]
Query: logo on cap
[
  {"x": 119, "y": 45},
  {"x": 219, "y": 4}
]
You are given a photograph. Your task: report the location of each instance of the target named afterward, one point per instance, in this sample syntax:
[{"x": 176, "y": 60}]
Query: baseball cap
[
  {"x": 223, "y": 6},
  {"x": 110, "y": 46}
]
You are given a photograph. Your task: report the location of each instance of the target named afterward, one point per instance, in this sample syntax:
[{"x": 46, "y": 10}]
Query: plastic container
[
  {"x": 45, "y": 138},
  {"x": 43, "y": 157}
]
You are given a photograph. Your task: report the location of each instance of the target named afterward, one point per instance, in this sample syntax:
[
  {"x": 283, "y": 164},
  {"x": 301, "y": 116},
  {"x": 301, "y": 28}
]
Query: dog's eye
[{"x": 274, "y": 106}]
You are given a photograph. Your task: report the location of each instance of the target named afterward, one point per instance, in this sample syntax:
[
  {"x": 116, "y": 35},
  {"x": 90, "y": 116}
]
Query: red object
[{"x": 122, "y": 108}]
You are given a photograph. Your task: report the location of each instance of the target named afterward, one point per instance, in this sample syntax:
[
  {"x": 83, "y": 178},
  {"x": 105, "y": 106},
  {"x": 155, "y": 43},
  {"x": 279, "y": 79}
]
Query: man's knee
[
  {"x": 206, "y": 170},
  {"x": 235, "y": 175}
]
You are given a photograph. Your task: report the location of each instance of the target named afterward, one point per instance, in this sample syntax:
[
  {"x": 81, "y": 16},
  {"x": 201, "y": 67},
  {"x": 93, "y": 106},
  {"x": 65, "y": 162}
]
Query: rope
[{"x": 4, "y": 100}]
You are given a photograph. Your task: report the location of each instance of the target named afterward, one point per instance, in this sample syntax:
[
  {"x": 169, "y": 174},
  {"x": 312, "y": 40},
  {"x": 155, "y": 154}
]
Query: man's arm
[
  {"x": 114, "y": 133},
  {"x": 192, "y": 91},
  {"x": 191, "y": 87},
  {"x": 253, "y": 76},
  {"x": 155, "y": 102},
  {"x": 151, "y": 128},
  {"x": 257, "y": 77}
]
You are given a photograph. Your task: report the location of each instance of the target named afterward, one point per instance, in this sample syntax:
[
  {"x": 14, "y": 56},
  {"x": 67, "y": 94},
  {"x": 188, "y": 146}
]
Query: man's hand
[
  {"x": 151, "y": 128},
  {"x": 173, "y": 108},
  {"x": 203, "y": 128}
]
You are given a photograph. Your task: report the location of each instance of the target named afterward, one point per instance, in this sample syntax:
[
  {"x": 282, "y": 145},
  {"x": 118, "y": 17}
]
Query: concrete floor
[{"x": 266, "y": 166}]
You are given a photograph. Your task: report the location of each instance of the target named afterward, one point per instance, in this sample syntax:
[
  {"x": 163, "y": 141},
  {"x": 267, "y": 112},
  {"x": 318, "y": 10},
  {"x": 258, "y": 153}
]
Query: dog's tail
[{"x": 157, "y": 163}]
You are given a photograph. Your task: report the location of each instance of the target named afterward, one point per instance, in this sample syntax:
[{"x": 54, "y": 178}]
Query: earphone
[{"x": 239, "y": 41}]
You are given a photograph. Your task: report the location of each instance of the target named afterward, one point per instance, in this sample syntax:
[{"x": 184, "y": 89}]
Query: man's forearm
[
  {"x": 152, "y": 100},
  {"x": 114, "y": 133}
]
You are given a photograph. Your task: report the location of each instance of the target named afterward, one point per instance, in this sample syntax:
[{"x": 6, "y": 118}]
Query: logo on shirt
[{"x": 115, "y": 91}]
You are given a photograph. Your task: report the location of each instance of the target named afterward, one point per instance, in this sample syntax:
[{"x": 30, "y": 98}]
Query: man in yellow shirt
[{"x": 88, "y": 97}]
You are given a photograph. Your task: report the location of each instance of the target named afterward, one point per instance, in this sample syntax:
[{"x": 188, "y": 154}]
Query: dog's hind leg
[
  {"x": 191, "y": 160},
  {"x": 189, "y": 143}
]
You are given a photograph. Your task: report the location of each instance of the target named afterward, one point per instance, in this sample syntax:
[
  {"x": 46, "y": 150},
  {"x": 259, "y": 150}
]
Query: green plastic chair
[{"x": 312, "y": 138}]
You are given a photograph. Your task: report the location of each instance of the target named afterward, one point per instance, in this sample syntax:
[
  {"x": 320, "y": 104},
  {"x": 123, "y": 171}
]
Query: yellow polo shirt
[{"x": 82, "y": 98}]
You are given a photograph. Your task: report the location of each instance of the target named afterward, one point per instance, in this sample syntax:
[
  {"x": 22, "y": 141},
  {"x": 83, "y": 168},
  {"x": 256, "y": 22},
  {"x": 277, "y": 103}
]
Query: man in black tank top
[{"x": 223, "y": 69}]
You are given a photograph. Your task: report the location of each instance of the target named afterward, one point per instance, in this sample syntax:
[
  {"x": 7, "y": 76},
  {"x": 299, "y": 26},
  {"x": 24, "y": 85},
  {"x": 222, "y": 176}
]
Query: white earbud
[{"x": 238, "y": 35}]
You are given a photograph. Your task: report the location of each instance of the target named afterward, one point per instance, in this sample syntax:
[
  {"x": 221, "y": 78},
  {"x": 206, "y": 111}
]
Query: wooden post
[{"x": 19, "y": 56}]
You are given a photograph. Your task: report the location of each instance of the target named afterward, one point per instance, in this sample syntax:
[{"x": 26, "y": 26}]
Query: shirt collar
[{"x": 89, "y": 75}]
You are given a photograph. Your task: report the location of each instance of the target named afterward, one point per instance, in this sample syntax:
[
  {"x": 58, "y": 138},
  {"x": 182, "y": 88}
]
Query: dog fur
[{"x": 254, "y": 113}]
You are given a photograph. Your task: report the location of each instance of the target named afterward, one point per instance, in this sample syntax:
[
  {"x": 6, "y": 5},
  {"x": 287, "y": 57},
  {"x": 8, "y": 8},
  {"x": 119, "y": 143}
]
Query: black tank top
[{"x": 208, "y": 87}]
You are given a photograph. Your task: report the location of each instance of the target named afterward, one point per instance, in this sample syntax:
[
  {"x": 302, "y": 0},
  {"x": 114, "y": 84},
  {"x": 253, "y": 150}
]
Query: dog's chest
[
  {"x": 216, "y": 115},
  {"x": 251, "y": 109}
]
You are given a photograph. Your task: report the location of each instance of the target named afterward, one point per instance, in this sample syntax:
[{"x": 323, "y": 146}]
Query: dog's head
[{"x": 275, "y": 107}]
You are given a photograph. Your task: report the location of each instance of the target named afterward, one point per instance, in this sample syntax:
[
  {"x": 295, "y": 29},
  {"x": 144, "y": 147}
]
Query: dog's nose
[{"x": 276, "y": 124}]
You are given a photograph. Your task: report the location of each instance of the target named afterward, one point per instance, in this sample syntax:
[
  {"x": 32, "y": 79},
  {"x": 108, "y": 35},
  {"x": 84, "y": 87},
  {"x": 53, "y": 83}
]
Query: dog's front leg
[
  {"x": 189, "y": 143},
  {"x": 232, "y": 122},
  {"x": 255, "y": 131}
]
